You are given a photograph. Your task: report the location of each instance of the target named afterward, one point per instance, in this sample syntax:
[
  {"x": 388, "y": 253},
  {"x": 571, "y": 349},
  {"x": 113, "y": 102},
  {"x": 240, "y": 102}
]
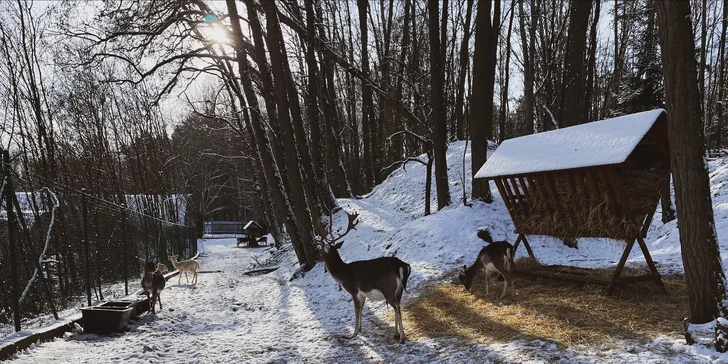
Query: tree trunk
[
  {"x": 270, "y": 168},
  {"x": 572, "y": 101},
  {"x": 312, "y": 112},
  {"x": 698, "y": 242},
  {"x": 462, "y": 72},
  {"x": 481, "y": 104},
  {"x": 439, "y": 138},
  {"x": 528, "y": 47},
  {"x": 397, "y": 143},
  {"x": 504, "y": 87},
  {"x": 721, "y": 80},
  {"x": 276, "y": 96},
  {"x": 367, "y": 121},
  {"x": 591, "y": 66},
  {"x": 703, "y": 35}
]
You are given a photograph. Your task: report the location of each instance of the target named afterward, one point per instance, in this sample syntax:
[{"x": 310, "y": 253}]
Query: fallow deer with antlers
[{"x": 382, "y": 278}]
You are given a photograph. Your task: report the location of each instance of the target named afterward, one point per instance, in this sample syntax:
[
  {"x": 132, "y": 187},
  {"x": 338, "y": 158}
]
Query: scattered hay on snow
[{"x": 551, "y": 310}]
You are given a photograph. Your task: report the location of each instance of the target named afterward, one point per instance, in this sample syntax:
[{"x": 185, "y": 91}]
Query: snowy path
[{"x": 229, "y": 318}]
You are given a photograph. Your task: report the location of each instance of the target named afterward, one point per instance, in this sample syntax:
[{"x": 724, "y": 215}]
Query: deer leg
[
  {"x": 159, "y": 298},
  {"x": 179, "y": 277},
  {"x": 195, "y": 277},
  {"x": 398, "y": 322},
  {"x": 186, "y": 279},
  {"x": 358, "y": 305},
  {"x": 513, "y": 286},
  {"x": 506, "y": 278},
  {"x": 487, "y": 281}
]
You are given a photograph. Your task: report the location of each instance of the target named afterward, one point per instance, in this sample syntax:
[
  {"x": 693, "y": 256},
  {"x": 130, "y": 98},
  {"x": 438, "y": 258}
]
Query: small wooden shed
[
  {"x": 252, "y": 229},
  {"x": 601, "y": 179}
]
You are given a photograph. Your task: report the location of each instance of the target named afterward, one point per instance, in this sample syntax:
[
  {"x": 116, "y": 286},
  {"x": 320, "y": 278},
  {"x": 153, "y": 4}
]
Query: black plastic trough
[{"x": 108, "y": 317}]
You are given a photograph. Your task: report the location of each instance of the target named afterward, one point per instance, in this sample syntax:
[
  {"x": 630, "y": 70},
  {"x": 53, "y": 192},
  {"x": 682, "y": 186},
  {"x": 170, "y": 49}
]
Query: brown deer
[
  {"x": 153, "y": 283},
  {"x": 382, "y": 278},
  {"x": 495, "y": 257}
]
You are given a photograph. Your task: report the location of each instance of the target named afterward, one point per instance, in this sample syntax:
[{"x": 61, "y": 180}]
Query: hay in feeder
[{"x": 567, "y": 205}]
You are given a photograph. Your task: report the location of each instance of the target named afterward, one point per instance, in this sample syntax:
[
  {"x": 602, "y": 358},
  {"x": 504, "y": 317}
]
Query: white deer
[{"x": 185, "y": 266}]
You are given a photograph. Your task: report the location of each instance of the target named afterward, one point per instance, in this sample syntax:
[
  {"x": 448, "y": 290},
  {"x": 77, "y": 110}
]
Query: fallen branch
[{"x": 261, "y": 270}]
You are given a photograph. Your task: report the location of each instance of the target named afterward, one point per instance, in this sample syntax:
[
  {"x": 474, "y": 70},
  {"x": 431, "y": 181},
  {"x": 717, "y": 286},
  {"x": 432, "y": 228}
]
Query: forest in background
[{"x": 326, "y": 95}]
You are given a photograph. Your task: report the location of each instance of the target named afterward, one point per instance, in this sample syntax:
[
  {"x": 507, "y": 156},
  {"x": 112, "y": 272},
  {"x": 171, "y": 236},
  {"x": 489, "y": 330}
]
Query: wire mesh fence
[{"x": 61, "y": 249}]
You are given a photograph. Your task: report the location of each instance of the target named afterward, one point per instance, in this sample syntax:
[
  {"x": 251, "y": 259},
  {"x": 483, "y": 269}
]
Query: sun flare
[{"x": 218, "y": 34}]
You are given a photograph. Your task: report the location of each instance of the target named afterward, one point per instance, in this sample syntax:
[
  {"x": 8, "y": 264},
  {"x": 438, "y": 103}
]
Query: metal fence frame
[{"x": 94, "y": 249}]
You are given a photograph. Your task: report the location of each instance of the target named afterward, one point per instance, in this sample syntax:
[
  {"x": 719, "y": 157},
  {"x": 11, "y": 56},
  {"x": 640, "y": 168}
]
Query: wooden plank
[
  {"x": 644, "y": 277},
  {"x": 563, "y": 277},
  {"x": 528, "y": 247},
  {"x": 581, "y": 187},
  {"x": 550, "y": 187},
  {"x": 516, "y": 243},
  {"x": 593, "y": 186},
  {"x": 509, "y": 193},
  {"x": 539, "y": 190},
  {"x": 525, "y": 188},
  {"x": 651, "y": 264},
  {"x": 648, "y": 221},
  {"x": 608, "y": 188},
  {"x": 512, "y": 189},
  {"x": 522, "y": 205},
  {"x": 615, "y": 278},
  {"x": 506, "y": 200},
  {"x": 569, "y": 183}
]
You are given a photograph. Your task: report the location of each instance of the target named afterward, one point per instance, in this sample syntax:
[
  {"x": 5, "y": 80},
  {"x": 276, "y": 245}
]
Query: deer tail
[
  {"x": 404, "y": 273},
  {"x": 509, "y": 259},
  {"x": 485, "y": 235}
]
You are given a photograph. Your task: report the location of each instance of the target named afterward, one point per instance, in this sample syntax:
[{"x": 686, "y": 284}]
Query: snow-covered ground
[{"x": 233, "y": 318}]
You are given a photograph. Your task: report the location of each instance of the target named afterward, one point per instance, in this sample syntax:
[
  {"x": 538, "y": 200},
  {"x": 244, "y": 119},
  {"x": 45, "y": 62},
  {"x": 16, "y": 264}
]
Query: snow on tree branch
[{"x": 45, "y": 246}]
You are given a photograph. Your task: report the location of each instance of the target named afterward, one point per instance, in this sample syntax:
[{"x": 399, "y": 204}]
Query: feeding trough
[
  {"x": 108, "y": 317},
  {"x": 602, "y": 179}
]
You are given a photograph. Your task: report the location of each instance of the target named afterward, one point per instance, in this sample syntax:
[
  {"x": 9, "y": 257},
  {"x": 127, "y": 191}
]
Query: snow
[
  {"x": 597, "y": 143},
  {"x": 234, "y": 318}
]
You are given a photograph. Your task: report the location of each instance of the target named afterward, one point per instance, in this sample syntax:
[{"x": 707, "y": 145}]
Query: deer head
[
  {"x": 465, "y": 278},
  {"x": 332, "y": 241}
]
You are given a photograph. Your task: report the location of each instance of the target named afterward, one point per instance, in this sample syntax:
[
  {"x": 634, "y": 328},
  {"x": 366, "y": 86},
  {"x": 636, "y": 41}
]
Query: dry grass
[{"x": 553, "y": 310}]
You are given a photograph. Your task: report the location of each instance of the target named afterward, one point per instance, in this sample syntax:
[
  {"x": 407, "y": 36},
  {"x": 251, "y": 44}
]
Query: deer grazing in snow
[
  {"x": 382, "y": 278},
  {"x": 153, "y": 283},
  {"x": 185, "y": 266},
  {"x": 495, "y": 257}
]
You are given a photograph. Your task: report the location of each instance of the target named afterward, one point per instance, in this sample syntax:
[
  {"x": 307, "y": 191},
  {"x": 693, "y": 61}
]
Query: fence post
[
  {"x": 124, "y": 250},
  {"x": 9, "y": 194},
  {"x": 192, "y": 239},
  {"x": 86, "y": 246},
  {"x": 146, "y": 238},
  {"x": 161, "y": 246}
]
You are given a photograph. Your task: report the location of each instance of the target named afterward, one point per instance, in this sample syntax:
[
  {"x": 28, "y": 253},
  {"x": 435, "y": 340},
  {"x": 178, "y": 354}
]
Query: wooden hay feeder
[
  {"x": 601, "y": 179},
  {"x": 252, "y": 229}
]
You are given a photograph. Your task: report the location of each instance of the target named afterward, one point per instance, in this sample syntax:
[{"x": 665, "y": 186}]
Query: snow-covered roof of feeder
[
  {"x": 598, "y": 143},
  {"x": 599, "y": 179},
  {"x": 252, "y": 224}
]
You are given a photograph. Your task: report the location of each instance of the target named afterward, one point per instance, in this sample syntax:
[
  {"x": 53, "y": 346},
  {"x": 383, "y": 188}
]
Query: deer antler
[
  {"x": 330, "y": 238},
  {"x": 350, "y": 226}
]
